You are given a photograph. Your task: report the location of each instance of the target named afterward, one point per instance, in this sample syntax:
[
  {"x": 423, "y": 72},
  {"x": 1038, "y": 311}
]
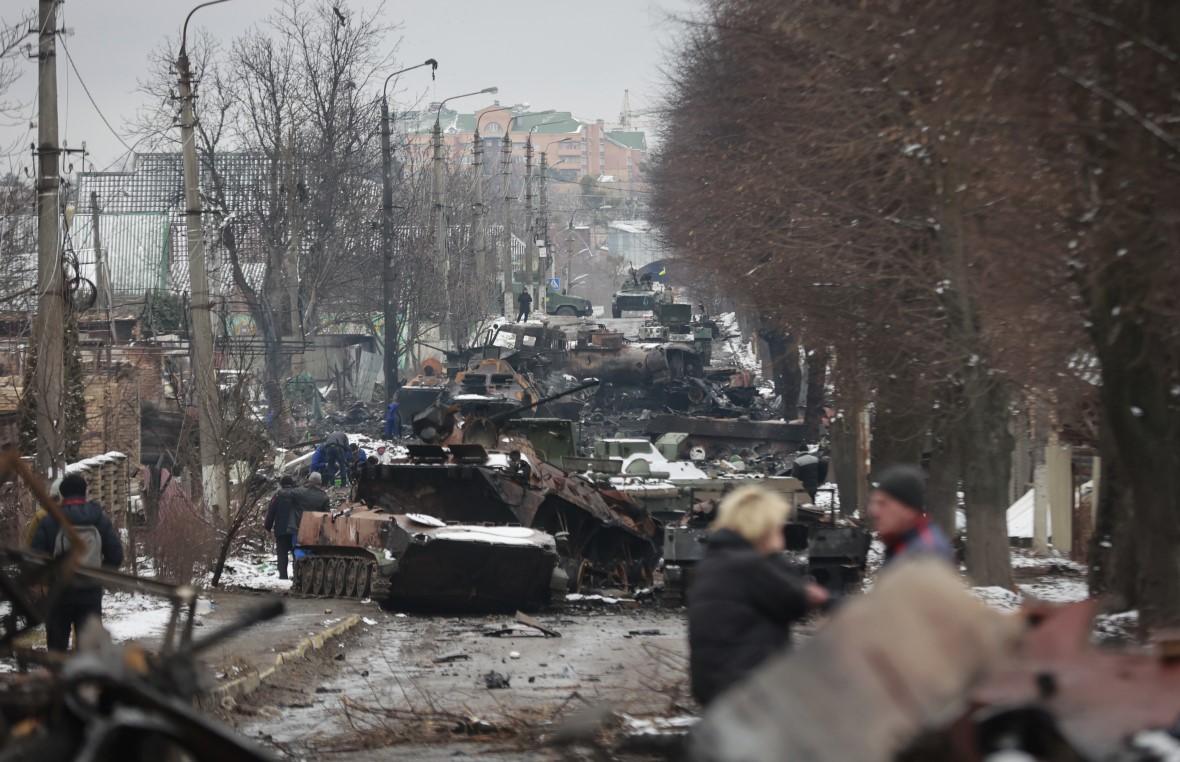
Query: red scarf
[{"x": 897, "y": 542}]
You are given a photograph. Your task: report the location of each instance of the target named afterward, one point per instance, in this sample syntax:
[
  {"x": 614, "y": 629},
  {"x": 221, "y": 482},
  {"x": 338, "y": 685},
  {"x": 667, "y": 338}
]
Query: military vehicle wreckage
[
  {"x": 460, "y": 524},
  {"x": 417, "y": 561}
]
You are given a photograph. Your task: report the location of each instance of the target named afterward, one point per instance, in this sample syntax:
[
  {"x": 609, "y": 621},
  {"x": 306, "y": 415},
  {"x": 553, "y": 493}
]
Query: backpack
[{"x": 91, "y": 540}]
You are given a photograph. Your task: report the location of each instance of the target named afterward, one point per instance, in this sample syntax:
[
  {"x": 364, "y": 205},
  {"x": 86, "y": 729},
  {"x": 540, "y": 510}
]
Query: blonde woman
[{"x": 745, "y": 597}]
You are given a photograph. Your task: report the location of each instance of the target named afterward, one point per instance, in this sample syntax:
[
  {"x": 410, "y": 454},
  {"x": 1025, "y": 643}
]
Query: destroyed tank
[
  {"x": 418, "y": 562},
  {"x": 608, "y": 356},
  {"x": 831, "y": 551},
  {"x": 603, "y": 538},
  {"x": 463, "y": 473}
]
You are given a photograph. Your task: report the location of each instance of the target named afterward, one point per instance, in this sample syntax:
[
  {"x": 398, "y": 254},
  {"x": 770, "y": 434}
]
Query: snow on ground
[
  {"x": 253, "y": 572},
  {"x": 131, "y": 616},
  {"x": 733, "y": 351},
  {"x": 999, "y": 598}
]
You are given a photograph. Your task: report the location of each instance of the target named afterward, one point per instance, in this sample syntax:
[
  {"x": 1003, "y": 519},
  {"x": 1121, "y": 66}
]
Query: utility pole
[
  {"x": 388, "y": 269},
  {"x": 105, "y": 300},
  {"x": 480, "y": 232},
  {"x": 506, "y": 254},
  {"x": 530, "y": 240},
  {"x": 214, "y": 476},
  {"x": 388, "y": 277},
  {"x": 440, "y": 227},
  {"x": 545, "y": 229},
  {"x": 294, "y": 243},
  {"x": 49, "y": 339}
]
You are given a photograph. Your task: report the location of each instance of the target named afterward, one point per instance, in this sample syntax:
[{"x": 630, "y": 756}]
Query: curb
[{"x": 242, "y": 686}]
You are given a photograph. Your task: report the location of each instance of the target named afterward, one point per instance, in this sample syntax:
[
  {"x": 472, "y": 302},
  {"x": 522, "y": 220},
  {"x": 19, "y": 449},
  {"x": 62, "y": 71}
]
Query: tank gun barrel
[{"x": 589, "y": 384}]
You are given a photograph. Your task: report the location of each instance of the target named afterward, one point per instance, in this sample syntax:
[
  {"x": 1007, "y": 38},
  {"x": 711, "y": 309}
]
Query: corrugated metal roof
[{"x": 135, "y": 246}]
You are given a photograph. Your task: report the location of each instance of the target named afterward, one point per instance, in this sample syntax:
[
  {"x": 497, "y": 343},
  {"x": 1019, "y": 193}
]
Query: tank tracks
[{"x": 339, "y": 577}]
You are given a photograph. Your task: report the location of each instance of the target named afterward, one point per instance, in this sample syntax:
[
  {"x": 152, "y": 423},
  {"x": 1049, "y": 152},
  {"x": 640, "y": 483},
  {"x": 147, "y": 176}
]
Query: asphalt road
[{"x": 405, "y": 681}]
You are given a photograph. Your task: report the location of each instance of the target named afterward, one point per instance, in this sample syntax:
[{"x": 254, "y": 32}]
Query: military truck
[{"x": 567, "y": 305}]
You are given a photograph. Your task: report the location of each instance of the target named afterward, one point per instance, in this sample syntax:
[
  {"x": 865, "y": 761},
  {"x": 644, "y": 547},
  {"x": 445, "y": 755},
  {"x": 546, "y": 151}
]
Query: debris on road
[{"x": 495, "y": 681}]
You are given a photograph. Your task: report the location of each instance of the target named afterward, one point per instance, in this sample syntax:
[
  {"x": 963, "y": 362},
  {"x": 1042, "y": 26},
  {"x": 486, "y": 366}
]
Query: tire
[
  {"x": 566, "y": 311},
  {"x": 615, "y": 311}
]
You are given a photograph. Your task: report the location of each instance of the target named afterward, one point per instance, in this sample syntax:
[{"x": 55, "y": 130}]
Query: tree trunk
[
  {"x": 1144, "y": 447},
  {"x": 817, "y": 376},
  {"x": 985, "y": 448},
  {"x": 942, "y": 487},
  {"x": 788, "y": 377},
  {"x": 847, "y": 450},
  {"x": 1113, "y": 562},
  {"x": 900, "y": 426}
]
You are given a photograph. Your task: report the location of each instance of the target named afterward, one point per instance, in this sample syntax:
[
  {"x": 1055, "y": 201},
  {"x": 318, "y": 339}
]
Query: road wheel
[
  {"x": 354, "y": 573},
  {"x": 365, "y": 580},
  {"x": 329, "y": 587},
  {"x": 341, "y": 587},
  {"x": 566, "y": 311},
  {"x": 317, "y": 576},
  {"x": 615, "y": 311}
]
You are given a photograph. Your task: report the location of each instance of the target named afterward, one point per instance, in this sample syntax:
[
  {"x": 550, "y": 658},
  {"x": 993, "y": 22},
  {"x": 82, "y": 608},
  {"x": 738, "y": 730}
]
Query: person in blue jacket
[
  {"x": 319, "y": 461},
  {"x": 393, "y": 420}
]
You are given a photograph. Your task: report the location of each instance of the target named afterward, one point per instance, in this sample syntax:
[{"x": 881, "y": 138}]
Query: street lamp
[
  {"x": 388, "y": 274},
  {"x": 440, "y": 217},
  {"x": 214, "y": 475}
]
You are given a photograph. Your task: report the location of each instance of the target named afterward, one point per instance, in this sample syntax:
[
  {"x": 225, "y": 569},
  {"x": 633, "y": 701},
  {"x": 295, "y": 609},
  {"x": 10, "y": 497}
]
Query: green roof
[
  {"x": 629, "y": 138},
  {"x": 557, "y": 122}
]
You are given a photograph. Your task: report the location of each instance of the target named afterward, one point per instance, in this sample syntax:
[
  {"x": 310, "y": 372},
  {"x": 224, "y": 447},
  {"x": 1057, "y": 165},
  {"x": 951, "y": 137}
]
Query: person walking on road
[
  {"x": 745, "y": 597},
  {"x": 525, "y": 306},
  {"x": 282, "y": 519},
  {"x": 897, "y": 506},
  {"x": 82, "y": 600}
]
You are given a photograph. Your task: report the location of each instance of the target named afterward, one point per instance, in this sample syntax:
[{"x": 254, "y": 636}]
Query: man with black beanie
[{"x": 897, "y": 506}]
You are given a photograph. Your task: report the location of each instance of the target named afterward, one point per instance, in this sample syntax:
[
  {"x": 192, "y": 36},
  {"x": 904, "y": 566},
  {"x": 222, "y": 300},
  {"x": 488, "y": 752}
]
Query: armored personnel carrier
[{"x": 416, "y": 561}]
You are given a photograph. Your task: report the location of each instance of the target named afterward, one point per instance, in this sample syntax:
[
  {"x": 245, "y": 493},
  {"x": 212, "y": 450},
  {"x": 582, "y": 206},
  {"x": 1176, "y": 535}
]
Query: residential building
[{"x": 574, "y": 148}]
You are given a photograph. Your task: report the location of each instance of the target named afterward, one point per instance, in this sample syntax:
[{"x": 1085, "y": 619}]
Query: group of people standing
[{"x": 336, "y": 460}]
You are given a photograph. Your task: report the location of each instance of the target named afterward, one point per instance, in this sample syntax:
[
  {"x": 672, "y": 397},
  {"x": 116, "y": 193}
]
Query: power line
[{"x": 94, "y": 103}]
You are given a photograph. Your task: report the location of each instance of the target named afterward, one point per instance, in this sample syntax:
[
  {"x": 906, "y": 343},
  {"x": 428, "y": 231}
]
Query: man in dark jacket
[
  {"x": 309, "y": 497},
  {"x": 282, "y": 519},
  {"x": 337, "y": 455},
  {"x": 83, "y": 598},
  {"x": 806, "y": 468},
  {"x": 744, "y": 597},
  {"x": 897, "y": 506},
  {"x": 525, "y": 304}
]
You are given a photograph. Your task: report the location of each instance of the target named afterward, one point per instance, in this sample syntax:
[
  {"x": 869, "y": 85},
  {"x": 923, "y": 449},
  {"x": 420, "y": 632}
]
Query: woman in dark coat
[{"x": 745, "y": 597}]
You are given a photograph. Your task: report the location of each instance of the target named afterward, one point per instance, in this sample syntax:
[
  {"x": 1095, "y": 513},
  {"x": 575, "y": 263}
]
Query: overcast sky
[{"x": 549, "y": 53}]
